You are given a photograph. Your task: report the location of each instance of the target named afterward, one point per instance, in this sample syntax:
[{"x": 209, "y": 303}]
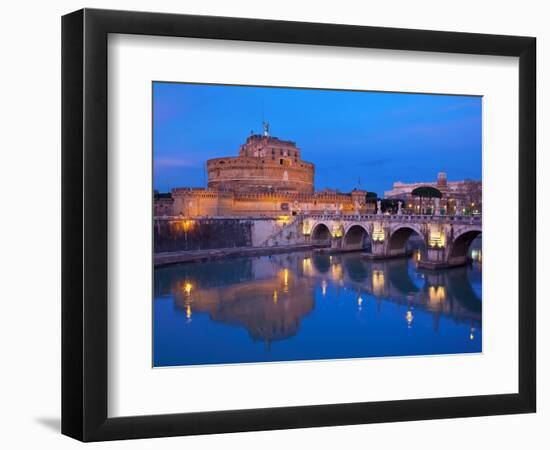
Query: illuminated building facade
[{"x": 457, "y": 197}]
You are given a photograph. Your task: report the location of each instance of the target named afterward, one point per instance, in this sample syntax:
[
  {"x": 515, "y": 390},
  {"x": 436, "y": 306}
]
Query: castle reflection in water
[{"x": 302, "y": 306}]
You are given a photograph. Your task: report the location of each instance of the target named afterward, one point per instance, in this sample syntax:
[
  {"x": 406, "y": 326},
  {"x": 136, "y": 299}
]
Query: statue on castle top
[
  {"x": 266, "y": 128},
  {"x": 399, "y": 206},
  {"x": 378, "y": 207}
]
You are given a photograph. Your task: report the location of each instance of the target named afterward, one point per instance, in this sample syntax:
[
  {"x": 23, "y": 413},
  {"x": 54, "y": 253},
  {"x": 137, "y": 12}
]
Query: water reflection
[{"x": 313, "y": 306}]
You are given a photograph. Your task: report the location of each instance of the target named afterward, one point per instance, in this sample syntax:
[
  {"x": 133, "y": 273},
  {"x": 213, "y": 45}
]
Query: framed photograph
[{"x": 273, "y": 224}]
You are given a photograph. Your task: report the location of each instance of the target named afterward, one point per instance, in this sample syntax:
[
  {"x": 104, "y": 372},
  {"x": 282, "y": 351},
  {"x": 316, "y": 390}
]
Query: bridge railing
[{"x": 398, "y": 218}]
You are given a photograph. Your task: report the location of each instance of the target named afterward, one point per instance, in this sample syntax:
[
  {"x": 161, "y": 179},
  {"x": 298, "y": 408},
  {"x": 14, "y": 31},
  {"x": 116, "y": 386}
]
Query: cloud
[{"x": 168, "y": 162}]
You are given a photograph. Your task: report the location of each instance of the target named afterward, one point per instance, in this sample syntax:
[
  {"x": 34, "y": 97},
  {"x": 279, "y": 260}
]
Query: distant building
[
  {"x": 267, "y": 179},
  {"x": 457, "y": 197}
]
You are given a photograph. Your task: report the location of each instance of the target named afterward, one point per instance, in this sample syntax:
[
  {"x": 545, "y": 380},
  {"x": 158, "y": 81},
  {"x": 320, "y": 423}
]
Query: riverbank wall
[{"x": 171, "y": 234}]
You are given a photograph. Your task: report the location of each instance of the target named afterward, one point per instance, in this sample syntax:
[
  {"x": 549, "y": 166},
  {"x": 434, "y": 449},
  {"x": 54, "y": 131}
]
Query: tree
[{"x": 426, "y": 192}]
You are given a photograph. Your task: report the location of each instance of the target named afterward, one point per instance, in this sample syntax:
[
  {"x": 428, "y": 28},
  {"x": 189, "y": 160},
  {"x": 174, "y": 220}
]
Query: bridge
[{"x": 447, "y": 238}]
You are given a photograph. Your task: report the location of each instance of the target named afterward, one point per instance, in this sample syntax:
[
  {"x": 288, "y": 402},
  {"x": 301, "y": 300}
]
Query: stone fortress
[
  {"x": 265, "y": 198},
  {"x": 267, "y": 179}
]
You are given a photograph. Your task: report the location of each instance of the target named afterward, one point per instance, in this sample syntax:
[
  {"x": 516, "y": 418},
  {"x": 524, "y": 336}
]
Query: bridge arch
[
  {"x": 397, "y": 241},
  {"x": 458, "y": 252},
  {"x": 356, "y": 236},
  {"x": 320, "y": 233}
]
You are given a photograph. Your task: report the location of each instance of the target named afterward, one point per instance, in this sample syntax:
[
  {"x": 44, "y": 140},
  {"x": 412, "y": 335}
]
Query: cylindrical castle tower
[{"x": 264, "y": 164}]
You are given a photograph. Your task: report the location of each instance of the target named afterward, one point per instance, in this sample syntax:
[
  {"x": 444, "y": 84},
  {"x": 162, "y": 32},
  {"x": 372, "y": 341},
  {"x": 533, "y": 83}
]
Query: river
[{"x": 308, "y": 306}]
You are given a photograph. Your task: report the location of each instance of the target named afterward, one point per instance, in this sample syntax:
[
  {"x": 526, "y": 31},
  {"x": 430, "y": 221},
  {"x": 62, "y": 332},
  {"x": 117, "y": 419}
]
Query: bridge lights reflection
[
  {"x": 285, "y": 280},
  {"x": 436, "y": 294},
  {"x": 324, "y": 287},
  {"x": 275, "y": 296},
  {"x": 378, "y": 282},
  {"x": 336, "y": 272},
  {"x": 409, "y": 317},
  {"x": 307, "y": 268},
  {"x": 187, "y": 288},
  {"x": 359, "y": 302},
  {"x": 472, "y": 335}
]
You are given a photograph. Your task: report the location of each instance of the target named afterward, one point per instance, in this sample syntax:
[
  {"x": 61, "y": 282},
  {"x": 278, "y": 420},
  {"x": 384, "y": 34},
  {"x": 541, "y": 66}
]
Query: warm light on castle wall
[
  {"x": 306, "y": 228},
  {"x": 283, "y": 220},
  {"x": 187, "y": 224}
]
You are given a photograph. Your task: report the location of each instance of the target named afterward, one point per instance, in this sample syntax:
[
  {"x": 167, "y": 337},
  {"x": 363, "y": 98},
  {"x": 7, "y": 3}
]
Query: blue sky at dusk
[{"x": 376, "y": 137}]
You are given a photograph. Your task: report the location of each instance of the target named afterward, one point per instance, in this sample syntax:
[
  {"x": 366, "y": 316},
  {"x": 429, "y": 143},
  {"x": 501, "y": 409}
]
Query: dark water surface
[{"x": 304, "y": 306}]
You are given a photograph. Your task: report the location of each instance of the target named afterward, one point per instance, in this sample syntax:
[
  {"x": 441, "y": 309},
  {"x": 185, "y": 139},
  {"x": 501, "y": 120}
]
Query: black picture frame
[{"x": 84, "y": 224}]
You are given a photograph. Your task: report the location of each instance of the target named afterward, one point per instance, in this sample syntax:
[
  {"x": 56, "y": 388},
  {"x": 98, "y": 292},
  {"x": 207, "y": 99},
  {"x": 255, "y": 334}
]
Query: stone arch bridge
[{"x": 447, "y": 238}]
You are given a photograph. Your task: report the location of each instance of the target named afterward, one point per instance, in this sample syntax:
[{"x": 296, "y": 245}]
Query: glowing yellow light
[
  {"x": 418, "y": 255},
  {"x": 472, "y": 336},
  {"x": 337, "y": 231},
  {"x": 275, "y": 296},
  {"x": 359, "y": 301},
  {"x": 436, "y": 294},
  {"x": 306, "y": 228},
  {"x": 285, "y": 280},
  {"x": 378, "y": 281},
  {"x": 283, "y": 220},
  {"x": 188, "y": 312},
  {"x": 437, "y": 238},
  {"x": 307, "y": 267},
  {"x": 409, "y": 317},
  {"x": 378, "y": 234},
  {"x": 187, "y": 288},
  {"x": 187, "y": 225},
  {"x": 336, "y": 271}
]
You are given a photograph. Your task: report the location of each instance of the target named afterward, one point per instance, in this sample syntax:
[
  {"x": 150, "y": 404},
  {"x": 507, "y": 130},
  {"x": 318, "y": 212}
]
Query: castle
[{"x": 267, "y": 179}]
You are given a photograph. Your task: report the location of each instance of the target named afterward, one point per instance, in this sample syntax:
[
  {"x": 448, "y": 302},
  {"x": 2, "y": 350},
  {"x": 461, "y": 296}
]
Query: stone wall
[
  {"x": 172, "y": 235},
  {"x": 245, "y": 174},
  {"x": 210, "y": 202},
  {"x": 202, "y": 234}
]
